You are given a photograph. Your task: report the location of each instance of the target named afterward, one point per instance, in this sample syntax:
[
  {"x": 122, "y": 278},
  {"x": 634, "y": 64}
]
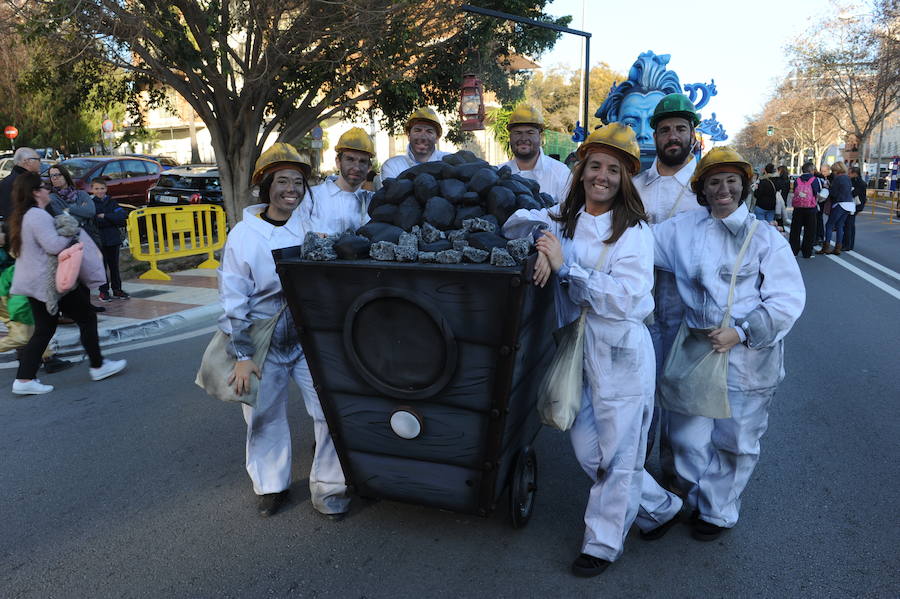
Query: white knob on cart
[{"x": 405, "y": 424}]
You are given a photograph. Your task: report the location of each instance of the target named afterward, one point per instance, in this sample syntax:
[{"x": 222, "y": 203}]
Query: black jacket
[
  {"x": 6, "y": 186},
  {"x": 114, "y": 216},
  {"x": 858, "y": 190},
  {"x": 765, "y": 193}
]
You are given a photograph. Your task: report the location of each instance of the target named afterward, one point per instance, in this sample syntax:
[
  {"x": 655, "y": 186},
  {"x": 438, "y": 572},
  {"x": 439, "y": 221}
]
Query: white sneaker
[
  {"x": 107, "y": 369},
  {"x": 32, "y": 387}
]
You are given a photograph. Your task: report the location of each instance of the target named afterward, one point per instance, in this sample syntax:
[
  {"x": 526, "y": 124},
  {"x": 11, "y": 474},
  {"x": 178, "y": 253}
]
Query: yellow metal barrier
[
  {"x": 873, "y": 196},
  {"x": 173, "y": 232}
]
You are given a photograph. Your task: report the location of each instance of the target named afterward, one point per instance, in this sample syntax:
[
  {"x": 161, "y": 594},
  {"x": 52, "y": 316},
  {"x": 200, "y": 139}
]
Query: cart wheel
[{"x": 522, "y": 487}]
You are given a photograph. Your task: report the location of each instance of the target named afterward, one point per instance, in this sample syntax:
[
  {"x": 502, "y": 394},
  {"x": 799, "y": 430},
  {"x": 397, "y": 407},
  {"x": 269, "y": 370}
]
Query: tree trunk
[{"x": 192, "y": 128}]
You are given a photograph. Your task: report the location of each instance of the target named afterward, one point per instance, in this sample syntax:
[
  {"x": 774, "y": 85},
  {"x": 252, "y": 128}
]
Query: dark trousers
[
  {"x": 849, "y": 231},
  {"x": 820, "y": 224},
  {"x": 111, "y": 263},
  {"x": 803, "y": 219},
  {"x": 76, "y": 305}
]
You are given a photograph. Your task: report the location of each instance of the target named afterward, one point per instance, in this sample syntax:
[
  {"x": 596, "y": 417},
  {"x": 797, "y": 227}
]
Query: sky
[{"x": 738, "y": 44}]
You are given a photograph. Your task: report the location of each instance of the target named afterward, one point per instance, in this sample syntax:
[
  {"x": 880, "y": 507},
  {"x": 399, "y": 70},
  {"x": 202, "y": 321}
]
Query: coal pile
[{"x": 445, "y": 212}]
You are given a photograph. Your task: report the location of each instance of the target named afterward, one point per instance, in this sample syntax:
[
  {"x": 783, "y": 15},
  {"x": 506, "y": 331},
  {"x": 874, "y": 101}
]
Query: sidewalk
[{"x": 156, "y": 308}]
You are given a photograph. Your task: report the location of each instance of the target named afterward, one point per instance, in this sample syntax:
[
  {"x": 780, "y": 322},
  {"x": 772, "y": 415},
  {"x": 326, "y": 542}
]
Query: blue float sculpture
[{"x": 632, "y": 101}]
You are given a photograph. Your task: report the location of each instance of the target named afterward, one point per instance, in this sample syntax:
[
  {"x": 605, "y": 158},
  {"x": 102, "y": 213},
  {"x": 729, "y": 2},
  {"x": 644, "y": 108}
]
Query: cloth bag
[
  {"x": 694, "y": 380},
  {"x": 560, "y": 391},
  {"x": 68, "y": 266},
  {"x": 217, "y": 363}
]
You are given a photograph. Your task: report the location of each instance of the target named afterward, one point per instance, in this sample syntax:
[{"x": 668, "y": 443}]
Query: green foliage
[
  {"x": 497, "y": 122},
  {"x": 557, "y": 90}
]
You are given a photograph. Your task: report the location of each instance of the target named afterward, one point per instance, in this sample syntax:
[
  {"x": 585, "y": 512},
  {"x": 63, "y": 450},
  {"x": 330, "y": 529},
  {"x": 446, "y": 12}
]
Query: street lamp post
[{"x": 516, "y": 18}]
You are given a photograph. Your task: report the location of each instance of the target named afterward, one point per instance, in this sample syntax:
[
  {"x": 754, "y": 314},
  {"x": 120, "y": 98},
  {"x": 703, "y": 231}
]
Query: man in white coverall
[
  {"x": 665, "y": 191},
  {"x": 423, "y": 129},
  {"x": 250, "y": 290},
  {"x": 526, "y": 128},
  {"x": 340, "y": 203}
]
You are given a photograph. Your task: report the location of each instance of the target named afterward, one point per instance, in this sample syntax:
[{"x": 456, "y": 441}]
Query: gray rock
[
  {"x": 457, "y": 234},
  {"x": 430, "y": 234},
  {"x": 406, "y": 253},
  {"x": 475, "y": 225},
  {"x": 318, "y": 248},
  {"x": 408, "y": 240},
  {"x": 471, "y": 254},
  {"x": 464, "y": 213},
  {"x": 500, "y": 257},
  {"x": 519, "y": 248},
  {"x": 427, "y": 257},
  {"x": 459, "y": 244},
  {"x": 449, "y": 257},
  {"x": 383, "y": 250}
]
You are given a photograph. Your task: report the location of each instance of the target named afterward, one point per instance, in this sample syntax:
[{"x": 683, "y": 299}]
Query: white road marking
[
  {"x": 867, "y": 277},
  {"x": 875, "y": 265}
]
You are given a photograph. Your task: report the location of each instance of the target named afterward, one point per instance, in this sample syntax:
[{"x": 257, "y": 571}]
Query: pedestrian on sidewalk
[
  {"x": 250, "y": 290},
  {"x": 804, "y": 202},
  {"x": 32, "y": 240},
  {"x": 110, "y": 217},
  {"x": 842, "y": 205},
  {"x": 599, "y": 245}
]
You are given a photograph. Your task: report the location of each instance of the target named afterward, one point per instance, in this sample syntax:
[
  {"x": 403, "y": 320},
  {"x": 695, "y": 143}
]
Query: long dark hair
[
  {"x": 64, "y": 172},
  {"x": 22, "y": 200},
  {"x": 627, "y": 207}
]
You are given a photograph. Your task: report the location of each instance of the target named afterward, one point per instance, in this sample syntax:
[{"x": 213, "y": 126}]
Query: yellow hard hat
[
  {"x": 280, "y": 155},
  {"x": 525, "y": 114},
  {"x": 425, "y": 114},
  {"x": 356, "y": 139},
  {"x": 617, "y": 136},
  {"x": 718, "y": 156}
]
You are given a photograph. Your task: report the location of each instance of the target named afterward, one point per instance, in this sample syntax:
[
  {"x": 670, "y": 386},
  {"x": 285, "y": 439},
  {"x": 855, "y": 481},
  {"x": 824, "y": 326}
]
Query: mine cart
[{"x": 427, "y": 375}]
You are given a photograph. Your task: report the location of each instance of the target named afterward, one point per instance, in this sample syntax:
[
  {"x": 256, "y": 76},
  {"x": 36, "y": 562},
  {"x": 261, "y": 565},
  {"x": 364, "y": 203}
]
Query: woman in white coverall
[
  {"x": 250, "y": 289},
  {"x": 714, "y": 458},
  {"x": 600, "y": 247}
]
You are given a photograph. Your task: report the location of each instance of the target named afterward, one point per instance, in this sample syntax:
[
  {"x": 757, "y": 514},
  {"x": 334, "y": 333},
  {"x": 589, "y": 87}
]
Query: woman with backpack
[{"x": 806, "y": 190}]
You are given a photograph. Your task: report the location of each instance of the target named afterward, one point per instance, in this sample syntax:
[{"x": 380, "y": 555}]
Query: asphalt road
[{"x": 134, "y": 487}]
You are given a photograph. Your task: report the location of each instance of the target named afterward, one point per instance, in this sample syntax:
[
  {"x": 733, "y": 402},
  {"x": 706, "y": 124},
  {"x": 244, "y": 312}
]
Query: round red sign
[{"x": 11, "y": 132}]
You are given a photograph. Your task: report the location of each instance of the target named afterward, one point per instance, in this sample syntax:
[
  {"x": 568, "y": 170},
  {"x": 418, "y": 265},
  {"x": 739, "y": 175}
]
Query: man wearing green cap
[{"x": 665, "y": 190}]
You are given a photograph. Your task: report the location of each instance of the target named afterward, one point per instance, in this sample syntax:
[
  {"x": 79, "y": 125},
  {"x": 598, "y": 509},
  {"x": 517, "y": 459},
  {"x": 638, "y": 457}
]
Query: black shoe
[
  {"x": 54, "y": 364},
  {"x": 336, "y": 517},
  {"x": 98, "y": 308},
  {"x": 586, "y": 566},
  {"x": 270, "y": 503},
  {"x": 660, "y": 531},
  {"x": 704, "y": 531}
]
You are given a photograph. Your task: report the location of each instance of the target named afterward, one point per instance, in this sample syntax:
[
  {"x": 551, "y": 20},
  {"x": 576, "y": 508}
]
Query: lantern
[{"x": 471, "y": 104}]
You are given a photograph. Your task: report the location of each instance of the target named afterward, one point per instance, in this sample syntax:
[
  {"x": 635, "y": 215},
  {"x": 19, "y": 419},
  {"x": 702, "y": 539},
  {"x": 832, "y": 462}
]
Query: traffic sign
[
  {"x": 11, "y": 132},
  {"x": 107, "y": 126},
  {"x": 316, "y": 133}
]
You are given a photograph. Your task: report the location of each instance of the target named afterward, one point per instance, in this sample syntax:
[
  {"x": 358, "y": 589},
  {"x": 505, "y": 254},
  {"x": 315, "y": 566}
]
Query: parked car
[
  {"x": 6, "y": 166},
  {"x": 165, "y": 161},
  {"x": 195, "y": 184},
  {"x": 129, "y": 179}
]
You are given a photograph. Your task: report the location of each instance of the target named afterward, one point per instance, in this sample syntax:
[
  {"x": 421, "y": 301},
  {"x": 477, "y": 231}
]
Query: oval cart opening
[{"x": 414, "y": 361}]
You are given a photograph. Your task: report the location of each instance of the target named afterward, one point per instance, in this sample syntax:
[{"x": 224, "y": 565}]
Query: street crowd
[{"x": 687, "y": 285}]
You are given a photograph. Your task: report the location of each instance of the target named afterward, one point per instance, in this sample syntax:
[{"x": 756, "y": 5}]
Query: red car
[{"x": 129, "y": 178}]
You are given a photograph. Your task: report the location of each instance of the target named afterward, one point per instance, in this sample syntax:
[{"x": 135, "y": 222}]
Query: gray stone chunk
[
  {"x": 318, "y": 248},
  {"x": 471, "y": 254},
  {"x": 406, "y": 253},
  {"x": 449, "y": 257},
  {"x": 457, "y": 234},
  {"x": 519, "y": 248},
  {"x": 408, "y": 240},
  {"x": 430, "y": 233},
  {"x": 474, "y": 225},
  {"x": 427, "y": 257},
  {"x": 460, "y": 244},
  {"x": 383, "y": 250},
  {"x": 500, "y": 257}
]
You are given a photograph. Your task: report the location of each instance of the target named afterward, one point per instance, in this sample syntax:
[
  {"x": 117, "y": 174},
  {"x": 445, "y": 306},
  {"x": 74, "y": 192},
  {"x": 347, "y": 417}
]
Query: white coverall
[
  {"x": 250, "y": 289},
  {"x": 714, "y": 458},
  {"x": 329, "y": 209},
  {"x": 392, "y": 167},
  {"x": 552, "y": 175},
  {"x": 610, "y": 432},
  {"x": 664, "y": 196}
]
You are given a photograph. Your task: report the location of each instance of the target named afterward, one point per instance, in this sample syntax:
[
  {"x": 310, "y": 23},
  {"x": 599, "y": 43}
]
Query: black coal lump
[
  {"x": 547, "y": 200},
  {"x": 483, "y": 180},
  {"x": 398, "y": 190},
  {"x": 470, "y": 198},
  {"x": 468, "y": 156},
  {"x": 383, "y": 250},
  {"x": 453, "y": 159},
  {"x": 425, "y": 186},
  {"x": 408, "y": 214},
  {"x": 452, "y": 190},
  {"x": 386, "y": 213},
  {"x": 352, "y": 247},
  {"x": 527, "y": 201},
  {"x": 504, "y": 172},
  {"x": 466, "y": 212},
  {"x": 486, "y": 241},
  {"x": 514, "y": 186},
  {"x": 465, "y": 172},
  {"x": 529, "y": 183},
  {"x": 475, "y": 255},
  {"x": 438, "y": 246},
  {"x": 377, "y": 200},
  {"x": 440, "y": 213},
  {"x": 501, "y": 202},
  {"x": 437, "y": 169},
  {"x": 380, "y": 232}
]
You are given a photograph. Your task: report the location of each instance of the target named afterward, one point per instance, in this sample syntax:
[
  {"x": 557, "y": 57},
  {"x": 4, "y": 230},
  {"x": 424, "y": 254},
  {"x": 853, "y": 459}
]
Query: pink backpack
[
  {"x": 68, "y": 267},
  {"x": 803, "y": 194}
]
